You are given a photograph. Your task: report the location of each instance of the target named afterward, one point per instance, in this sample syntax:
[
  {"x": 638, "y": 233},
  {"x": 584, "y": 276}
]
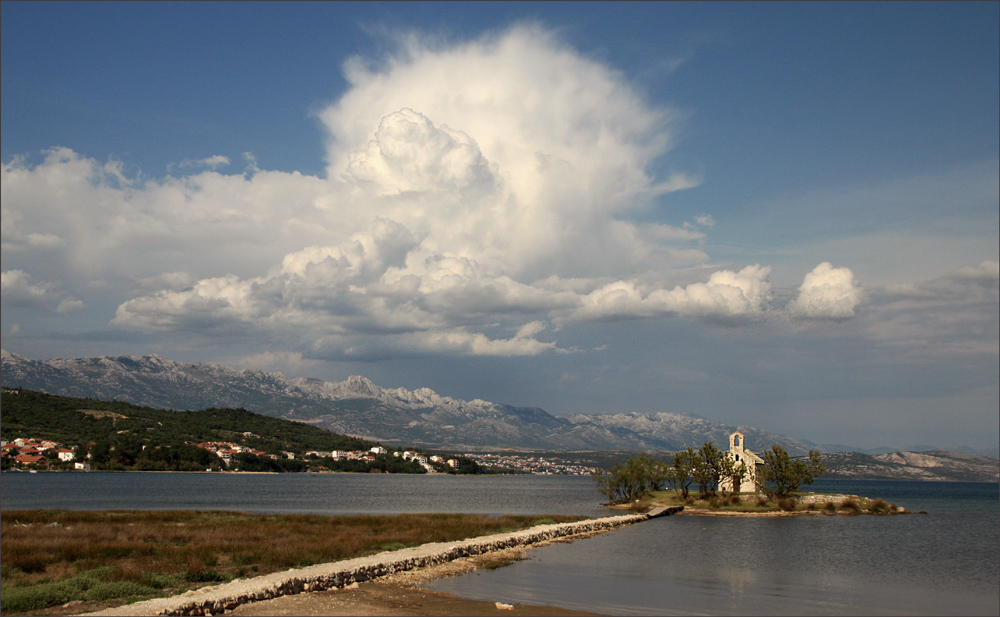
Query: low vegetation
[
  {"x": 57, "y": 562},
  {"x": 762, "y": 504}
]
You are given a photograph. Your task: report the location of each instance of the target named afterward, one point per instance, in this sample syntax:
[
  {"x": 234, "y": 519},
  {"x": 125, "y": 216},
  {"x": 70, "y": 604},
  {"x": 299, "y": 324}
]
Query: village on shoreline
[{"x": 30, "y": 454}]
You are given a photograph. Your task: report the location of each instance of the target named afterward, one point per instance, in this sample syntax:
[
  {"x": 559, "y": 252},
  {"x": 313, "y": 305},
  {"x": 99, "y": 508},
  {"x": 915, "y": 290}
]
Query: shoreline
[
  {"x": 351, "y": 574},
  {"x": 403, "y": 593}
]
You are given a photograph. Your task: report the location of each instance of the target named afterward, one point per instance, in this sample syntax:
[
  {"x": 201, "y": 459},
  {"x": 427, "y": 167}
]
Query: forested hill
[{"x": 79, "y": 421}]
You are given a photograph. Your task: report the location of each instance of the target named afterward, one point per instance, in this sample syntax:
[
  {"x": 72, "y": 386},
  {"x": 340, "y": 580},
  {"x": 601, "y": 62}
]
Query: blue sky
[{"x": 779, "y": 215}]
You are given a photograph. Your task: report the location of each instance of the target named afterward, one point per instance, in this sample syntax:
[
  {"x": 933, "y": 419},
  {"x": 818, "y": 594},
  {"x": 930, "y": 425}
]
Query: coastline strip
[{"x": 217, "y": 599}]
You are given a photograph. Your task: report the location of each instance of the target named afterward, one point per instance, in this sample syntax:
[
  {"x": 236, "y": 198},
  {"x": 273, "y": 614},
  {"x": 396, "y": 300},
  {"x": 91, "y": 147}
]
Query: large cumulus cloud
[{"x": 478, "y": 197}]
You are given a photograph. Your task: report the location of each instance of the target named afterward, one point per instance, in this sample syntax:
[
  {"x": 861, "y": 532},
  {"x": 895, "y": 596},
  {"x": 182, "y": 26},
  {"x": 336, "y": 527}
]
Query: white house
[
  {"x": 379, "y": 450},
  {"x": 754, "y": 465}
]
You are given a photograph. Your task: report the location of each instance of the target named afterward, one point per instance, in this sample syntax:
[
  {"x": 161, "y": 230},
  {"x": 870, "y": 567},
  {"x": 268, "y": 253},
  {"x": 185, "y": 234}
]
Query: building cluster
[
  {"x": 228, "y": 450},
  {"x": 29, "y": 452},
  {"x": 532, "y": 464}
]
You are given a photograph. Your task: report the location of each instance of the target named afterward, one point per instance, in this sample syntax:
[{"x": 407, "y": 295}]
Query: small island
[{"x": 736, "y": 482}]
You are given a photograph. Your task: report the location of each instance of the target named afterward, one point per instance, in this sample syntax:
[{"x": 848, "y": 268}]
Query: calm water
[
  {"x": 943, "y": 562},
  {"x": 302, "y": 493}
]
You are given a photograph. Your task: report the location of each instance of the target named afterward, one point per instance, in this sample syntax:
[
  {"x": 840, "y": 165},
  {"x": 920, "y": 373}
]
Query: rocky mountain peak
[{"x": 357, "y": 406}]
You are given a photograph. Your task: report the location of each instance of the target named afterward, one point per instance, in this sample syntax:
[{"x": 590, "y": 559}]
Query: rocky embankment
[{"x": 218, "y": 599}]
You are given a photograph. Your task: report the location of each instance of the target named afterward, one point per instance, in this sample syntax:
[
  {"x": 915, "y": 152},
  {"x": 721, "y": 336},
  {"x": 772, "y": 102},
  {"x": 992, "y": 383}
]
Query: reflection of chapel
[{"x": 754, "y": 465}]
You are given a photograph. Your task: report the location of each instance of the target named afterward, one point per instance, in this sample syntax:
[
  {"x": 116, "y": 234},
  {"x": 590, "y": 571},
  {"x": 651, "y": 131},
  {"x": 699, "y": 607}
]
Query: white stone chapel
[{"x": 754, "y": 465}]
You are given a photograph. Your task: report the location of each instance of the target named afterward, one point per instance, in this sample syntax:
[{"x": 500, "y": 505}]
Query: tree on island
[
  {"x": 679, "y": 475},
  {"x": 631, "y": 481},
  {"x": 783, "y": 476},
  {"x": 711, "y": 466}
]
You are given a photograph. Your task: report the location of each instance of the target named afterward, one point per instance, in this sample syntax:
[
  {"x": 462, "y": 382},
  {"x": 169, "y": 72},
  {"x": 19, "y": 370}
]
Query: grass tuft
[
  {"x": 850, "y": 506},
  {"x": 787, "y": 504},
  {"x": 879, "y": 506}
]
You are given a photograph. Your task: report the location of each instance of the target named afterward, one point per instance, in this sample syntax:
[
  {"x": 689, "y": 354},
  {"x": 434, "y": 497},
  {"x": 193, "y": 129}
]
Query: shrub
[
  {"x": 543, "y": 521},
  {"x": 392, "y": 546},
  {"x": 762, "y": 501},
  {"x": 879, "y": 506},
  {"x": 830, "y": 508},
  {"x": 849, "y": 505},
  {"x": 22, "y": 599},
  {"x": 787, "y": 504},
  {"x": 118, "y": 589},
  {"x": 205, "y": 576},
  {"x": 156, "y": 580}
]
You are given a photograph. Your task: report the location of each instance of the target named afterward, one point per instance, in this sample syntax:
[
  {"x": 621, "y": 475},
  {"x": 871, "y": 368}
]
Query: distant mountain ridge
[
  {"x": 933, "y": 465},
  {"x": 361, "y": 408}
]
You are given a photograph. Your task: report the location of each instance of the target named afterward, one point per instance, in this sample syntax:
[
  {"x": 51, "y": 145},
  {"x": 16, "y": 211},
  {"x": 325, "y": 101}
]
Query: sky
[{"x": 779, "y": 215}]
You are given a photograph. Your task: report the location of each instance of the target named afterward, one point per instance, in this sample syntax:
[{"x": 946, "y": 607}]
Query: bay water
[{"x": 946, "y": 561}]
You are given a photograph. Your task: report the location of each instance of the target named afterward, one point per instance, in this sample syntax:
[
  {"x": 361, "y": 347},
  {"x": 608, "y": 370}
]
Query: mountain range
[{"x": 361, "y": 408}]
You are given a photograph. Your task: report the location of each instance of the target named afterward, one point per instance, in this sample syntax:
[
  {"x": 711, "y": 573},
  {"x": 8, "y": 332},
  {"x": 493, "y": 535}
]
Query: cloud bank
[{"x": 478, "y": 197}]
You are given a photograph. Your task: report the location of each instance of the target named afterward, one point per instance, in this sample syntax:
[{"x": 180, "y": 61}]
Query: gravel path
[{"x": 218, "y": 599}]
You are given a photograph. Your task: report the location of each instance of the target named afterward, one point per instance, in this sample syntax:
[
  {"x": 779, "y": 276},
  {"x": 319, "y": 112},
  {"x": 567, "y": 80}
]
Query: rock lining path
[{"x": 218, "y": 599}]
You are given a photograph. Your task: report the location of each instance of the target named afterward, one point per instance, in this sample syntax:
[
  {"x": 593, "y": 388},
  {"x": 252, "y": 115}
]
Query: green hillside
[
  {"x": 72, "y": 421},
  {"x": 118, "y": 431}
]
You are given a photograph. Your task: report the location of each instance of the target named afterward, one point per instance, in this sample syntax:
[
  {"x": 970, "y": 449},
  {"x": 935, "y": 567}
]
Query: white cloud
[
  {"x": 564, "y": 142},
  {"x": 211, "y": 162},
  {"x": 68, "y": 305},
  {"x": 988, "y": 272},
  {"x": 727, "y": 294},
  {"x": 17, "y": 289},
  {"x": 89, "y": 223},
  {"x": 828, "y": 293},
  {"x": 476, "y": 194}
]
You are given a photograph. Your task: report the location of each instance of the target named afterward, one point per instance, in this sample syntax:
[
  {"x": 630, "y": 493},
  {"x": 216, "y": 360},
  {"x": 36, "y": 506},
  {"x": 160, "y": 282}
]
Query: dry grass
[
  {"x": 850, "y": 506},
  {"x": 50, "y": 558}
]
